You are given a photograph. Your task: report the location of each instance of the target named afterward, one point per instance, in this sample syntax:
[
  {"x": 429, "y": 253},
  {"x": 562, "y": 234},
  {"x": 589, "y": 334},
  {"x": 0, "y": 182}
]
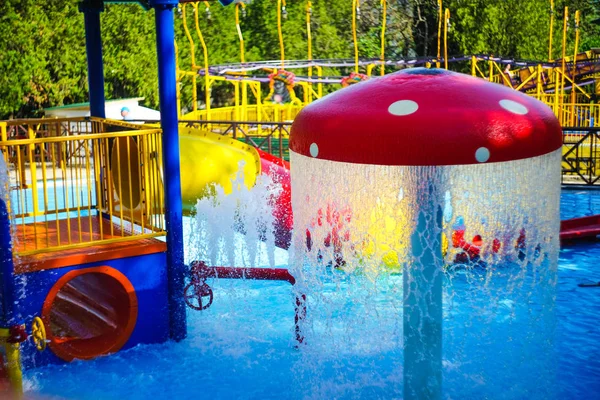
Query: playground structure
[{"x": 92, "y": 200}]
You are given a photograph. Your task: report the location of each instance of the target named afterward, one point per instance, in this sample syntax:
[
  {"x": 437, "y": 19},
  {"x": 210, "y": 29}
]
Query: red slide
[
  {"x": 279, "y": 170},
  {"x": 584, "y": 228}
]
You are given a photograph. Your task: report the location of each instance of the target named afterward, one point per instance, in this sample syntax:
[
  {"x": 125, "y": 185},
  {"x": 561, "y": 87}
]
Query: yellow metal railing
[
  {"x": 81, "y": 182},
  {"x": 259, "y": 113},
  {"x": 586, "y": 115}
]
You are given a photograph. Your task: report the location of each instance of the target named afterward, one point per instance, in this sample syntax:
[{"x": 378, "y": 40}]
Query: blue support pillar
[
  {"x": 9, "y": 317},
  {"x": 12, "y": 329},
  {"x": 165, "y": 45},
  {"x": 422, "y": 283},
  {"x": 93, "y": 45}
]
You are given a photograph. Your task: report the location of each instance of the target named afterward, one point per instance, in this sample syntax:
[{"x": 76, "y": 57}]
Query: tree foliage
[{"x": 43, "y": 62}]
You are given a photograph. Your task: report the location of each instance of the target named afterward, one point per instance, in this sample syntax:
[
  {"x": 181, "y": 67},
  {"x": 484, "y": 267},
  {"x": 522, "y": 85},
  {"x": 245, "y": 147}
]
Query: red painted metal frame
[{"x": 200, "y": 272}]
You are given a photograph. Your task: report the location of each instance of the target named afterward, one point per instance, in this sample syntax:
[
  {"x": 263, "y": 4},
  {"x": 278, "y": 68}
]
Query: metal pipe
[
  {"x": 205, "y": 53},
  {"x": 244, "y": 86},
  {"x": 93, "y": 47},
  {"x": 551, "y": 30},
  {"x": 258, "y": 274},
  {"x": 439, "y": 38},
  {"x": 309, "y": 38},
  {"x": 573, "y": 69},
  {"x": 446, "y": 23},
  {"x": 165, "y": 38},
  {"x": 188, "y": 35},
  {"x": 200, "y": 272},
  {"x": 239, "y": 31},
  {"x": 280, "y": 8},
  {"x": 563, "y": 64}
]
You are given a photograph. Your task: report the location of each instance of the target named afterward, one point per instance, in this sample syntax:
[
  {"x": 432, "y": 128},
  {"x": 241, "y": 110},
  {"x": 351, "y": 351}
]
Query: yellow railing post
[
  {"x": 236, "y": 85},
  {"x": 32, "y": 170},
  {"x": 446, "y": 25},
  {"x": 539, "y": 89},
  {"x": 355, "y": 15},
  {"x": 473, "y": 65},
  {"x": 320, "y": 84},
  {"x": 556, "y": 103},
  {"x": 4, "y": 138},
  {"x": 383, "y": 25}
]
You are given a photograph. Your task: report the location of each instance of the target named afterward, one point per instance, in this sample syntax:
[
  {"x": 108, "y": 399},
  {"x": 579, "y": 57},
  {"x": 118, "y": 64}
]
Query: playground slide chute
[
  {"x": 584, "y": 228},
  {"x": 209, "y": 159}
]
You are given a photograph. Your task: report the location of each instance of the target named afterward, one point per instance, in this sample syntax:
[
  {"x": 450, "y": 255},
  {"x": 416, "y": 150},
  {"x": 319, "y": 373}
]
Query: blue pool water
[{"x": 243, "y": 348}]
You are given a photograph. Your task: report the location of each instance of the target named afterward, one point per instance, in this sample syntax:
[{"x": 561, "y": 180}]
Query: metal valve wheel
[
  {"x": 38, "y": 334},
  {"x": 198, "y": 296}
]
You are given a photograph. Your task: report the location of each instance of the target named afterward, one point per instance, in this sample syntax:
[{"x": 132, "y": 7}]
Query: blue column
[
  {"x": 8, "y": 286},
  {"x": 422, "y": 283},
  {"x": 93, "y": 46},
  {"x": 165, "y": 45}
]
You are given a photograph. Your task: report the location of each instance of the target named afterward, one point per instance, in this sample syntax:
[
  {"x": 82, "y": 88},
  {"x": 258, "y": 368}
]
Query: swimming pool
[{"x": 243, "y": 348}]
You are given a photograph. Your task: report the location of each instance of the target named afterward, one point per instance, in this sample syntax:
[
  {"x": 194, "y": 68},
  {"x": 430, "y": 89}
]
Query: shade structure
[
  {"x": 437, "y": 176},
  {"x": 425, "y": 117}
]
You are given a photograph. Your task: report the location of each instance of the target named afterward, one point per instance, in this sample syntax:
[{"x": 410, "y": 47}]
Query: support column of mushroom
[{"x": 422, "y": 286}]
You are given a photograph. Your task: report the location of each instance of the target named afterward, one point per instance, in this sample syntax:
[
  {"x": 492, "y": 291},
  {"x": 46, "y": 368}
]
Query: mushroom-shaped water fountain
[{"x": 427, "y": 172}]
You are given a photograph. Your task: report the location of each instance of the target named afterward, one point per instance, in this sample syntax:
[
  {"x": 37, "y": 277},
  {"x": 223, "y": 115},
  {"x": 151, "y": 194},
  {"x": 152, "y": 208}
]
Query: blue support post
[
  {"x": 422, "y": 283},
  {"x": 165, "y": 45},
  {"x": 9, "y": 316},
  {"x": 93, "y": 45}
]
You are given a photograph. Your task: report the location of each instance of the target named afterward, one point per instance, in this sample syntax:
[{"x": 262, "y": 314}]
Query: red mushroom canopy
[{"x": 425, "y": 117}]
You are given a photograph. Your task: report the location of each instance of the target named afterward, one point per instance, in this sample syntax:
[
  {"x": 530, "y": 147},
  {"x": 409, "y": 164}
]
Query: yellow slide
[{"x": 208, "y": 159}]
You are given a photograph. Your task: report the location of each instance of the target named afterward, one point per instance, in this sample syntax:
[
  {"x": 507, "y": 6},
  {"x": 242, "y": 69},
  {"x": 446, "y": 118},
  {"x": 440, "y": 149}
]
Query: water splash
[
  {"x": 354, "y": 232},
  {"x": 236, "y": 229}
]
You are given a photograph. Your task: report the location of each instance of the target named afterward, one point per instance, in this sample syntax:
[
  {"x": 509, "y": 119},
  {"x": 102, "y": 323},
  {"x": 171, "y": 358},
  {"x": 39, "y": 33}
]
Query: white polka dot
[
  {"x": 403, "y": 107},
  {"x": 314, "y": 150},
  {"x": 482, "y": 154},
  {"x": 513, "y": 107}
]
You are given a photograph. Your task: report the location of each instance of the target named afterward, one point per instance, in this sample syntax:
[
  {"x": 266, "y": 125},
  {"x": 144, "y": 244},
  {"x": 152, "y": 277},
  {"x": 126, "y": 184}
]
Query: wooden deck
[{"x": 42, "y": 235}]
